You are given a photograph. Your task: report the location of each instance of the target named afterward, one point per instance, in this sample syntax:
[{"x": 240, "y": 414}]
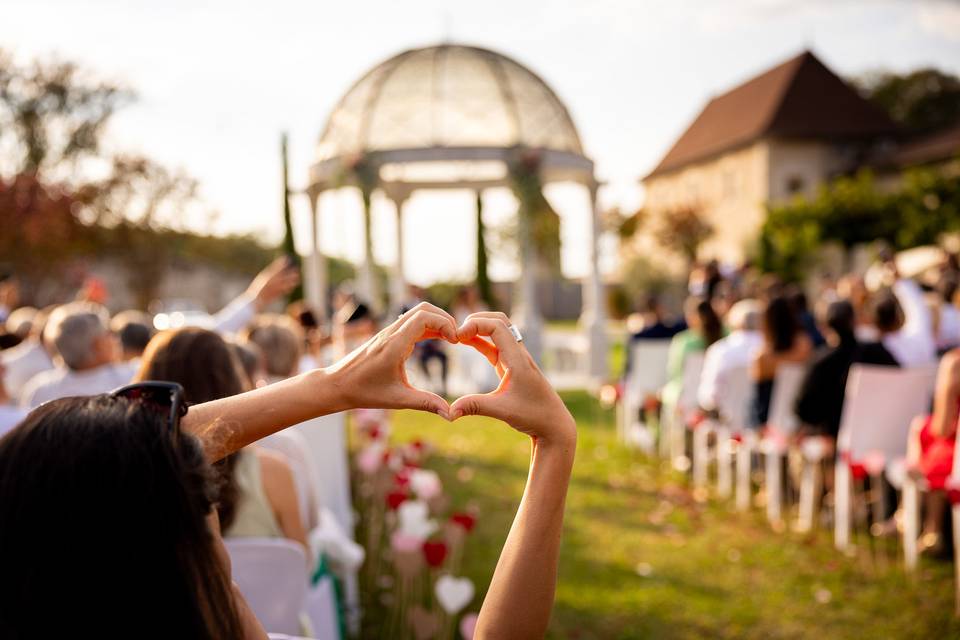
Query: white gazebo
[{"x": 453, "y": 117}]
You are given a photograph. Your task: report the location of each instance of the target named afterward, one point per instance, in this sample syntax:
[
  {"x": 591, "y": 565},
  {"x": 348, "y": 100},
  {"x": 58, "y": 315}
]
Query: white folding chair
[
  {"x": 732, "y": 406},
  {"x": 878, "y": 407},
  {"x": 781, "y": 424},
  {"x": 648, "y": 372},
  {"x": 326, "y": 437},
  {"x": 272, "y": 575},
  {"x": 686, "y": 404},
  {"x": 294, "y": 446}
]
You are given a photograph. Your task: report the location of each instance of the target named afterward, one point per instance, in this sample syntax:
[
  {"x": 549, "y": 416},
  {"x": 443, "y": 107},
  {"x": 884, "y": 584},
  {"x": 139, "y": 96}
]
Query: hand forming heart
[{"x": 374, "y": 374}]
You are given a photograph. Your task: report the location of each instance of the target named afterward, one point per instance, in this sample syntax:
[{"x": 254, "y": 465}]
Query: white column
[
  {"x": 398, "y": 285},
  {"x": 315, "y": 273},
  {"x": 593, "y": 318},
  {"x": 525, "y": 310},
  {"x": 367, "y": 287}
]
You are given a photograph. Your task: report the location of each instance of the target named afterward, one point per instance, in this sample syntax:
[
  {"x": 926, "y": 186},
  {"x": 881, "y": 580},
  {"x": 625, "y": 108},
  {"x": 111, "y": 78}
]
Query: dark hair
[
  {"x": 887, "y": 314},
  {"x": 797, "y": 298},
  {"x": 134, "y": 336},
  {"x": 650, "y": 304},
  {"x": 208, "y": 369},
  {"x": 104, "y": 519},
  {"x": 841, "y": 319},
  {"x": 780, "y": 325},
  {"x": 710, "y": 324},
  {"x": 947, "y": 288}
]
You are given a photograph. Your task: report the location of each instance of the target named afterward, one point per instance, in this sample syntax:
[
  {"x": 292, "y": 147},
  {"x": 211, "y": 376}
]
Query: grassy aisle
[{"x": 642, "y": 559}]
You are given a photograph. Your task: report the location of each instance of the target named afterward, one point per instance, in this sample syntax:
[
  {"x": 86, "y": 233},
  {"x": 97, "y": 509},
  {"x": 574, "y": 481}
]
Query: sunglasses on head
[{"x": 166, "y": 398}]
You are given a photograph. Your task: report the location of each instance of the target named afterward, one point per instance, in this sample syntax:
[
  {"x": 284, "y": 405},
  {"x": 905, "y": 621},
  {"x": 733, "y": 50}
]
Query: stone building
[{"x": 778, "y": 135}]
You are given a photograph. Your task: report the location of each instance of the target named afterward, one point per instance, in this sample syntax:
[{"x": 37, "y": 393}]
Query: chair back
[
  {"x": 272, "y": 575},
  {"x": 295, "y": 448},
  {"x": 692, "y": 368},
  {"x": 733, "y": 403},
  {"x": 648, "y": 366},
  {"x": 786, "y": 388},
  {"x": 879, "y": 405},
  {"x": 326, "y": 438}
]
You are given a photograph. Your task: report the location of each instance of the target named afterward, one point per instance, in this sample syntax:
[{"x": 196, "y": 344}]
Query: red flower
[
  {"x": 395, "y": 499},
  {"x": 417, "y": 444},
  {"x": 374, "y": 433},
  {"x": 434, "y": 553},
  {"x": 401, "y": 478},
  {"x": 464, "y": 520}
]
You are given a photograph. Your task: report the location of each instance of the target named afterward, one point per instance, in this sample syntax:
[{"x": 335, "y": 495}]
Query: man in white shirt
[
  {"x": 729, "y": 353},
  {"x": 906, "y": 325},
  {"x": 88, "y": 354},
  {"x": 25, "y": 360}
]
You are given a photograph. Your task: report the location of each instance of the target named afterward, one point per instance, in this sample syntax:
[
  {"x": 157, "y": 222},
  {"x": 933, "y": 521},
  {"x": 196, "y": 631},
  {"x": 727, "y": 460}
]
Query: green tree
[{"x": 922, "y": 100}]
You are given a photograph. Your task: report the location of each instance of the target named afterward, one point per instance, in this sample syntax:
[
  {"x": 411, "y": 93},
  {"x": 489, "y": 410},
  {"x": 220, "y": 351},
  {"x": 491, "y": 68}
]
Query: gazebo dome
[{"x": 451, "y": 96}]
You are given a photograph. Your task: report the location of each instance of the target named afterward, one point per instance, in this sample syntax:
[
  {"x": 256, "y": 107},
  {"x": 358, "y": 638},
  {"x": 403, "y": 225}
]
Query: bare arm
[
  {"x": 946, "y": 396},
  {"x": 521, "y": 593},
  {"x": 281, "y": 490}
]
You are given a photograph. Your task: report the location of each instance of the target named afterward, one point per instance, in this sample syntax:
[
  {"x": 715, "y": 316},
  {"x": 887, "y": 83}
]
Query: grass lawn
[{"x": 642, "y": 559}]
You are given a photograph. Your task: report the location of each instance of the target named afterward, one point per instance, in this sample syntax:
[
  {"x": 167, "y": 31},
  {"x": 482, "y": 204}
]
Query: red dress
[{"x": 936, "y": 456}]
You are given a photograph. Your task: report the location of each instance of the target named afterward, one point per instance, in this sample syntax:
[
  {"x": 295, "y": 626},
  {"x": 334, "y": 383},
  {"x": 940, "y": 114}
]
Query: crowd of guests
[
  {"x": 125, "y": 452},
  {"x": 739, "y": 322}
]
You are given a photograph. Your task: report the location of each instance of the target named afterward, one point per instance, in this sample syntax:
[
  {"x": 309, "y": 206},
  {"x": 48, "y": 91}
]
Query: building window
[{"x": 795, "y": 185}]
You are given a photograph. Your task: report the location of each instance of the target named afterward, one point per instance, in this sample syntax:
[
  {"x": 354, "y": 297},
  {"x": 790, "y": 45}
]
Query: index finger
[
  {"x": 512, "y": 353},
  {"x": 427, "y": 324}
]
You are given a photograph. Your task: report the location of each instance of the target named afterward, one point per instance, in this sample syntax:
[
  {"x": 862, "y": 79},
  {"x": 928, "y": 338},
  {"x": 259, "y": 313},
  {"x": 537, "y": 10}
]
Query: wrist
[
  {"x": 559, "y": 437},
  {"x": 326, "y": 391}
]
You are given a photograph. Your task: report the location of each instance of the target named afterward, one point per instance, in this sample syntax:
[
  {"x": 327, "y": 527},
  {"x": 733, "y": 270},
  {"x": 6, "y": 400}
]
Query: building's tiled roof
[{"x": 800, "y": 98}]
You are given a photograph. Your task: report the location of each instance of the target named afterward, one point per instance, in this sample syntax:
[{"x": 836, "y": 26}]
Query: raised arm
[
  {"x": 520, "y": 597},
  {"x": 372, "y": 376}
]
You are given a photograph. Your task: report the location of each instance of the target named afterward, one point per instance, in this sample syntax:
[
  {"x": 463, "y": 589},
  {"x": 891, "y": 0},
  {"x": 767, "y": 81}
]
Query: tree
[
  {"x": 53, "y": 114},
  {"x": 852, "y": 210},
  {"x": 922, "y": 100},
  {"x": 484, "y": 286},
  {"x": 65, "y": 196},
  {"x": 683, "y": 230}
]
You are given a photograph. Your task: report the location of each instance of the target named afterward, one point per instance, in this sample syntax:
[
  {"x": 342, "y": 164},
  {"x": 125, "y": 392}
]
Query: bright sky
[{"x": 218, "y": 82}]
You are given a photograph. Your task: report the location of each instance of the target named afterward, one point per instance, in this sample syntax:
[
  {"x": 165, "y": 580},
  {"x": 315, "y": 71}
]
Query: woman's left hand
[{"x": 374, "y": 375}]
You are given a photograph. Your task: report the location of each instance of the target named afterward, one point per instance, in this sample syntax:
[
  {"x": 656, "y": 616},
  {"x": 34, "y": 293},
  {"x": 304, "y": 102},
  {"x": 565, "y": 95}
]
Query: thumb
[
  {"x": 425, "y": 401},
  {"x": 478, "y": 404}
]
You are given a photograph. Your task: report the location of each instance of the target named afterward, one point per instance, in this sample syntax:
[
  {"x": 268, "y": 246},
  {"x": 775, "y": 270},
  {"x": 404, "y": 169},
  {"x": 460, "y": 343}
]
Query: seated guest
[
  {"x": 87, "y": 352},
  {"x": 820, "y": 402},
  {"x": 258, "y": 496},
  {"x": 799, "y": 301},
  {"x": 931, "y": 450},
  {"x": 252, "y": 361},
  {"x": 134, "y": 328},
  {"x": 654, "y": 327},
  {"x": 784, "y": 341},
  {"x": 905, "y": 323},
  {"x": 27, "y": 359},
  {"x": 705, "y": 329},
  {"x": 731, "y": 352},
  {"x": 280, "y": 341},
  {"x": 120, "y": 487}
]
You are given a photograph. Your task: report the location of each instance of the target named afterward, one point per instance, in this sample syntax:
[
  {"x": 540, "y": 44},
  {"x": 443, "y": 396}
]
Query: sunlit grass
[{"x": 642, "y": 559}]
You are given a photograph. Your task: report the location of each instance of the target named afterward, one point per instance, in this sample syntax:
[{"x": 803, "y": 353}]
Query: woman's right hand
[{"x": 524, "y": 399}]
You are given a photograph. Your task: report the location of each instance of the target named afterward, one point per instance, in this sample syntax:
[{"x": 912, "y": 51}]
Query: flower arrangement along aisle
[{"x": 414, "y": 539}]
